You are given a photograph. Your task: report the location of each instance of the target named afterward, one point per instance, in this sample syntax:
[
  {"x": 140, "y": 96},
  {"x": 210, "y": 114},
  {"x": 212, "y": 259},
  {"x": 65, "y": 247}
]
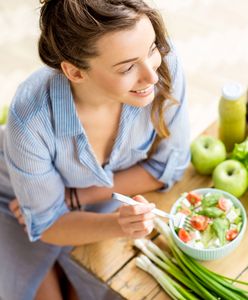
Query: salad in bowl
[{"x": 214, "y": 225}]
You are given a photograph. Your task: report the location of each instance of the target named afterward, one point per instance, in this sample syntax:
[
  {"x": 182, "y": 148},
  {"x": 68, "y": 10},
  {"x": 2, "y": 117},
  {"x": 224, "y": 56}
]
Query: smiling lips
[{"x": 144, "y": 92}]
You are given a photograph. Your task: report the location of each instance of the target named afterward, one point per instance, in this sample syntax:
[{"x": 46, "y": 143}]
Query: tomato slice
[
  {"x": 184, "y": 235},
  {"x": 185, "y": 210},
  {"x": 231, "y": 234},
  {"x": 223, "y": 204},
  {"x": 199, "y": 222},
  {"x": 193, "y": 198}
]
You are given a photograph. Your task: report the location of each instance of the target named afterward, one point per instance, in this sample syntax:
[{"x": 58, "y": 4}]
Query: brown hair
[{"x": 70, "y": 29}]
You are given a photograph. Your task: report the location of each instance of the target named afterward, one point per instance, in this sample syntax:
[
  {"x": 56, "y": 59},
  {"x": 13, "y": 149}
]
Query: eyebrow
[{"x": 132, "y": 59}]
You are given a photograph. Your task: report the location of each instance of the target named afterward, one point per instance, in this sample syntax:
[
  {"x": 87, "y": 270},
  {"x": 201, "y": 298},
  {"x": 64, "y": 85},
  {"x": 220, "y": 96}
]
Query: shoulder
[
  {"x": 178, "y": 88},
  {"x": 30, "y": 114},
  {"x": 32, "y": 95},
  {"x": 173, "y": 62}
]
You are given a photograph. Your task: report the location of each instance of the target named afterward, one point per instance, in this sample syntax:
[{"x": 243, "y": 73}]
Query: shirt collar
[{"x": 66, "y": 121}]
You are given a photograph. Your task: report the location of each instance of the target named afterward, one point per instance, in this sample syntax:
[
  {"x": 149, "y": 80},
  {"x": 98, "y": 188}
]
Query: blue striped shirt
[{"x": 44, "y": 147}]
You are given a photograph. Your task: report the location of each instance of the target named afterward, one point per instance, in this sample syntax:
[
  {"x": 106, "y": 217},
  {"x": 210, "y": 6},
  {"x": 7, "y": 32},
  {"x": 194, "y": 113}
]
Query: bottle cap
[{"x": 232, "y": 91}]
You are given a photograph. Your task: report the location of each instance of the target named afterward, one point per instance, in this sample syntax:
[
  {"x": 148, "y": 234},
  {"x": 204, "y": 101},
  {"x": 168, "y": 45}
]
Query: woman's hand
[
  {"x": 15, "y": 209},
  {"x": 137, "y": 221}
]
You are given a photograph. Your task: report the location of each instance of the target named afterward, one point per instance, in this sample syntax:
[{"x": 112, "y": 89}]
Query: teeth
[{"x": 143, "y": 91}]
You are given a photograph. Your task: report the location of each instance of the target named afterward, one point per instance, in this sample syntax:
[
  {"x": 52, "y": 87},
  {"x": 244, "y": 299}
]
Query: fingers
[
  {"x": 15, "y": 209},
  {"x": 139, "y": 229},
  {"x": 141, "y": 234},
  {"x": 130, "y": 210},
  {"x": 19, "y": 216},
  {"x": 17, "y": 213},
  {"x": 139, "y": 226},
  {"x": 13, "y": 205},
  {"x": 140, "y": 198},
  {"x": 137, "y": 218},
  {"x": 21, "y": 220},
  {"x": 137, "y": 221}
]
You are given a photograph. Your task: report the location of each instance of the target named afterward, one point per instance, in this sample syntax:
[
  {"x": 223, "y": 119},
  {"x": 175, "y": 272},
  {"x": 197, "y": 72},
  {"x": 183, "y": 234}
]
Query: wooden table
[{"x": 113, "y": 261}]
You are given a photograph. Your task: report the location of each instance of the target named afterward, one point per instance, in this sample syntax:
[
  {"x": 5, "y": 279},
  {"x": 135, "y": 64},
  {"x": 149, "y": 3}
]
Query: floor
[{"x": 211, "y": 37}]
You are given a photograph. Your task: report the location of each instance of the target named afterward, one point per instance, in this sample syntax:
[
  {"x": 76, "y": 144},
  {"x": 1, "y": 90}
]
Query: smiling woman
[
  {"x": 128, "y": 79},
  {"x": 98, "y": 117}
]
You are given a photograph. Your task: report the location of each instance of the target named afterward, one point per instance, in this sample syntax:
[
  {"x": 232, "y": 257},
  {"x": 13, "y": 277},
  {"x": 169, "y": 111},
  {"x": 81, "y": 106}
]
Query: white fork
[{"x": 180, "y": 220}]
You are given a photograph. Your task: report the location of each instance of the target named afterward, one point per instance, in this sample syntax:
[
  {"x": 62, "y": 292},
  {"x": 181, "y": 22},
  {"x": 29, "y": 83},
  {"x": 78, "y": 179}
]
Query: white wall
[{"x": 211, "y": 37}]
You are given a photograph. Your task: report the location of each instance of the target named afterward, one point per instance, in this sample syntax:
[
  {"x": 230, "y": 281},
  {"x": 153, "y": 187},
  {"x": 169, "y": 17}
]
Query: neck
[{"x": 86, "y": 99}]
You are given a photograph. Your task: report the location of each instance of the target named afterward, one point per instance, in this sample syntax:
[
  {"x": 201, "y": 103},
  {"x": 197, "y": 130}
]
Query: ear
[{"x": 73, "y": 73}]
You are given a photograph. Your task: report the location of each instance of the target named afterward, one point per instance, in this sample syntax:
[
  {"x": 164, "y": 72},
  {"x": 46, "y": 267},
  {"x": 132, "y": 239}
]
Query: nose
[{"x": 148, "y": 74}]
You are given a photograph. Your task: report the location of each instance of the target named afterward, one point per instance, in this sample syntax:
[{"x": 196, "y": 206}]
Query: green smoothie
[
  {"x": 3, "y": 115},
  {"x": 232, "y": 115}
]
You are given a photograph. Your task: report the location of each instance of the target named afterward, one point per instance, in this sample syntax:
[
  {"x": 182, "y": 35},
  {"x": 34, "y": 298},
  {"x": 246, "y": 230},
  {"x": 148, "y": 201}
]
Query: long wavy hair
[{"x": 71, "y": 28}]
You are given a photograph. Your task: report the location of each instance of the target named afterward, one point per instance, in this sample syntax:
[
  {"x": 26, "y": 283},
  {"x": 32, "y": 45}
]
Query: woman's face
[{"x": 125, "y": 70}]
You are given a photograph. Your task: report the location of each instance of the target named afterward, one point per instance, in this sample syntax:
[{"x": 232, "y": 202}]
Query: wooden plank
[
  {"x": 132, "y": 283},
  {"x": 105, "y": 258},
  {"x": 157, "y": 294}
]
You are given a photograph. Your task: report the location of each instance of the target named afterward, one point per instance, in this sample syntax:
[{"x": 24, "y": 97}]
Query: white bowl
[{"x": 213, "y": 253}]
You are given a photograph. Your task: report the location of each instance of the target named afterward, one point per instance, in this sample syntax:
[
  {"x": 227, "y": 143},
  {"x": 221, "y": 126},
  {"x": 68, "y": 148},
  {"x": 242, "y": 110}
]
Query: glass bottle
[{"x": 232, "y": 115}]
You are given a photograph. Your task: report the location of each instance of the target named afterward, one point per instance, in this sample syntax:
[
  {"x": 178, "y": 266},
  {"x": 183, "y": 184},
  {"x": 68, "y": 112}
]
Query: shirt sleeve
[
  {"x": 172, "y": 157},
  {"x": 36, "y": 183}
]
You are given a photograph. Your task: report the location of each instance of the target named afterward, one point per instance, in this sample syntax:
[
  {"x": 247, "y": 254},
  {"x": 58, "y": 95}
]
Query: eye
[{"x": 128, "y": 70}]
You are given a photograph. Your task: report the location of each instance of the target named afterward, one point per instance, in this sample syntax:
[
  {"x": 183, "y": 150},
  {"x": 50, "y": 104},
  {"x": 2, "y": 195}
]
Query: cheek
[
  {"x": 118, "y": 84},
  {"x": 157, "y": 60},
  {"x": 114, "y": 84},
  {"x": 104, "y": 82}
]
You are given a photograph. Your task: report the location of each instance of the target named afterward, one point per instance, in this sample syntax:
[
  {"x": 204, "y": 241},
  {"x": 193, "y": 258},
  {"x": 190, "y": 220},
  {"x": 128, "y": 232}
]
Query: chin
[{"x": 140, "y": 102}]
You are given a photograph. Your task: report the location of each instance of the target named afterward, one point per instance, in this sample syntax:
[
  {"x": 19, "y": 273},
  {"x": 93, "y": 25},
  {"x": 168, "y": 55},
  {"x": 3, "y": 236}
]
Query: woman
[{"x": 107, "y": 114}]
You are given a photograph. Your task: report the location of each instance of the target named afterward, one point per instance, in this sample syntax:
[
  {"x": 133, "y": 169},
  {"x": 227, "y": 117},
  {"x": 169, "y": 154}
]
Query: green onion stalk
[
  {"x": 228, "y": 282},
  {"x": 161, "y": 259},
  {"x": 172, "y": 288},
  {"x": 205, "y": 283}
]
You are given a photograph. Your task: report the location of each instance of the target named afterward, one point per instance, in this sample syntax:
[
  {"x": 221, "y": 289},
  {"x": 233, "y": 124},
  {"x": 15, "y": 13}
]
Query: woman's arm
[
  {"x": 132, "y": 181},
  {"x": 79, "y": 228}
]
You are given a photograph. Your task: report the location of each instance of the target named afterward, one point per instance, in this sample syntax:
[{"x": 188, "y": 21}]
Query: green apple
[
  {"x": 206, "y": 153},
  {"x": 231, "y": 176},
  {"x": 3, "y": 115}
]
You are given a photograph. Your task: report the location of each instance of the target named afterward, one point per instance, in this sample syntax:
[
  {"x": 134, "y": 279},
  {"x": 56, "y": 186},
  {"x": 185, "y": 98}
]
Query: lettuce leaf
[
  {"x": 240, "y": 153},
  {"x": 220, "y": 226},
  {"x": 211, "y": 199}
]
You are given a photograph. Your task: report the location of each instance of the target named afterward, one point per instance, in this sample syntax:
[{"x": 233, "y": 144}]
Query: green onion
[
  {"x": 172, "y": 288},
  {"x": 158, "y": 256},
  {"x": 171, "y": 271}
]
